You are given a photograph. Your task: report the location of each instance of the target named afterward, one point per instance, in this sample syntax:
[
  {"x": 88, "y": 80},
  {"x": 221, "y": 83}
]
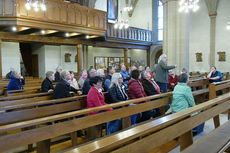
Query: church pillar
[
  {"x": 212, "y": 10},
  {"x": 126, "y": 57},
  {"x": 79, "y": 58},
  {"x": 0, "y": 59},
  {"x": 176, "y": 35},
  {"x": 148, "y": 57}
]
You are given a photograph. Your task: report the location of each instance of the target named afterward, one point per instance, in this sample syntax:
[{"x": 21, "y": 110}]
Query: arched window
[{"x": 160, "y": 16}]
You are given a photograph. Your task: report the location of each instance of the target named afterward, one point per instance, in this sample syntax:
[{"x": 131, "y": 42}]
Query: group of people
[{"x": 121, "y": 86}]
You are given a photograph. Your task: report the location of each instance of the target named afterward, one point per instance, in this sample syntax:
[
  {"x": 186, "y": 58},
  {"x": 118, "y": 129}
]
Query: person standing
[
  {"x": 82, "y": 79},
  {"x": 162, "y": 73}
]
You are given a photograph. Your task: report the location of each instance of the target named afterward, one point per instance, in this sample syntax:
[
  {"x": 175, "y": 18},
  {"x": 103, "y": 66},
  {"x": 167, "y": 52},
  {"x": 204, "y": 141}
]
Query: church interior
[{"x": 121, "y": 76}]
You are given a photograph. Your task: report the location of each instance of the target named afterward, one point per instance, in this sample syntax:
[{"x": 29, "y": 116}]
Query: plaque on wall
[
  {"x": 199, "y": 57},
  {"x": 222, "y": 56},
  {"x": 67, "y": 57}
]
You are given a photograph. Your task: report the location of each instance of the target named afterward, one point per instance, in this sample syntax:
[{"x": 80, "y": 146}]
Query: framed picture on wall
[{"x": 112, "y": 9}]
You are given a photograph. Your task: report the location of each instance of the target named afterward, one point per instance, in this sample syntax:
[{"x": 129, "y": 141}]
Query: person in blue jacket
[
  {"x": 214, "y": 75},
  {"x": 125, "y": 75},
  {"x": 16, "y": 81}
]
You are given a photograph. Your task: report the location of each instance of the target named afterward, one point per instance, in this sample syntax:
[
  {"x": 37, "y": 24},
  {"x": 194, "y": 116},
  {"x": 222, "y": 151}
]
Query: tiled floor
[{"x": 209, "y": 126}]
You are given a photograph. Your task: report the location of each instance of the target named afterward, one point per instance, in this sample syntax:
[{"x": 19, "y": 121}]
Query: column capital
[{"x": 213, "y": 15}]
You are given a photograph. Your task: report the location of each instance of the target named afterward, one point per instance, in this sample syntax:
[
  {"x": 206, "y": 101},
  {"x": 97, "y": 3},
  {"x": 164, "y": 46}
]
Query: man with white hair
[
  {"x": 63, "y": 88},
  {"x": 16, "y": 81},
  {"x": 162, "y": 73},
  {"x": 8, "y": 75},
  {"x": 57, "y": 74}
]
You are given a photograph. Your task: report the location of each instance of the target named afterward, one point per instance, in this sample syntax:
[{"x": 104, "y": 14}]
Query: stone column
[
  {"x": 212, "y": 10},
  {"x": 148, "y": 57},
  {"x": 126, "y": 57},
  {"x": 176, "y": 35}
]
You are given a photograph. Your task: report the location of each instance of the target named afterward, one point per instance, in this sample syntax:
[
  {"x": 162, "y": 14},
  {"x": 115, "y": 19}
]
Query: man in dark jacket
[
  {"x": 57, "y": 74},
  {"x": 47, "y": 85},
  {"x": 63, "y": 88},
  {"x": 86, "y": 85},
  {"x": 16, "y": 81}
]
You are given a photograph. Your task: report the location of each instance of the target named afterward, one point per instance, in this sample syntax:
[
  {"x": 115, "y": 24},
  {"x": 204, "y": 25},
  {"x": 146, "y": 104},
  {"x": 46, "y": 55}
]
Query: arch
[
  {"x": 158, "y": 54},
  {"x": 156, "y": 51}
]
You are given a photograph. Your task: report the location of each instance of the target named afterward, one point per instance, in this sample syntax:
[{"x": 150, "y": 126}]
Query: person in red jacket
[
  {"x": 95, "y": 96},
  {"x": 173, "y": 80},
  {"x": 136, "y": 90}
]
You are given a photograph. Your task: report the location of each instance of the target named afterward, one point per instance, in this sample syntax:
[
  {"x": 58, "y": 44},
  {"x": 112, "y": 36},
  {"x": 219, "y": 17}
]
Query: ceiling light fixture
[
  {"x": 14, "y": 29},
  {"x": 43, "y": 32},
  {"x": 187, "y": 5},
  {"x": 67, "y": 34},
  {"x": 37, "y": 5}
]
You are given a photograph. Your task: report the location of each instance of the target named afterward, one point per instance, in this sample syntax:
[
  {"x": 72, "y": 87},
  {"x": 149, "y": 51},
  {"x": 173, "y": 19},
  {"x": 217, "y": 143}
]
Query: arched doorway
[{"x": 158, "y": 54}]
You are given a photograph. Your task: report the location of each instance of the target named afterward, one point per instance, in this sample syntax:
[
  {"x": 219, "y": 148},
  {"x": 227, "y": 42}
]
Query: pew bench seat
[
  {"x": 213, "y": 142},
  {"x": 200, "y": 92}
]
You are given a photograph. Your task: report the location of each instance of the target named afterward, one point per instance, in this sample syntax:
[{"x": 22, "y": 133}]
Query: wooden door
[{"x": 35, "y": 65}]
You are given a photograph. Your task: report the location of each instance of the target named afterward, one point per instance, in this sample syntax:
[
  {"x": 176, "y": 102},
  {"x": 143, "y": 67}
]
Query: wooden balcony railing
[
  {"x": 59, "y": 15},
  {"x": 131, "y": 33}
]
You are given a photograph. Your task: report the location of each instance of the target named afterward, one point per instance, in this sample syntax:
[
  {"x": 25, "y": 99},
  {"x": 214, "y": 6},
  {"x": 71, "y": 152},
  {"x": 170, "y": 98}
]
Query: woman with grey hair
[{"x": 162, "y": 73}]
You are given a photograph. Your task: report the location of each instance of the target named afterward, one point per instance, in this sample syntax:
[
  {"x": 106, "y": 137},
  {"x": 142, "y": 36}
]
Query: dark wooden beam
[
  {"x": 79, "y": 59},
  {"x": 8, "y": 36}
]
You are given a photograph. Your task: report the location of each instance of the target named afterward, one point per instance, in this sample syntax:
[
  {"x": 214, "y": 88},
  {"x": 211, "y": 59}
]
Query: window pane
[
  {"x": 160, "y": 35},
  {"x": 160, "y": 11},
  {"x": 160, "y": 23}
]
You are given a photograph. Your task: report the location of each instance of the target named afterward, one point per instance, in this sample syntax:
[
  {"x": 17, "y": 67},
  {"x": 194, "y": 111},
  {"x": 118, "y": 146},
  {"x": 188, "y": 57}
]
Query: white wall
[
  {"x": 10, "y": 57},
  {"x": 101, "y": 5},
  {"x": 223, "y": 35},
  {"x": 200, "y": 37},
  {"x": 73, "y": 51},
  {"x": 52, "y": 56},
  {"x": 199, "y": 40},
  {"x": 39, "y": 50},
  {"x": 142, "y": 15}
]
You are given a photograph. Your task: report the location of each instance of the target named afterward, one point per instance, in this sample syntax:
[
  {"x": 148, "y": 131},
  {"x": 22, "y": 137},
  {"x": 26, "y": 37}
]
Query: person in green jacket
[
  {"x": 162, "y": 73},
  {"x": 182, "y": 95}
]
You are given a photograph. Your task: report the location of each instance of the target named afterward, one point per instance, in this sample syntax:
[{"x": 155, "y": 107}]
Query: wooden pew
[
  {"x": 224, "y": 87},
  {"x": 153, "y": 134},
  {"x": 36, "y": 120},
  {"x": 42, "y": 134},
  {"x": 214, "y": 142}
]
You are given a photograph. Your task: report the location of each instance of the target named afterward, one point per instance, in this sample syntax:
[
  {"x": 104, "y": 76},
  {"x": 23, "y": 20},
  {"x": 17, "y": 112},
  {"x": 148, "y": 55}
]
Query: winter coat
[
  {"x": 125, "y": 76},
  {"x": 149, "y": 88},
  {"x": 15, "y": 84},
  {"x": 62, "y": 90},
  {"x": 162, "y": 72},
  {"x": 95, "y": 99},
  {"x": 117, "y": 94},
  {"x": 135, "y": 89},
  {"x": 172, "y": 80},
  {"x": 46, "y": 85},
  {"x": 182, "y": 98},
  {"x": 57, "y": 77}
]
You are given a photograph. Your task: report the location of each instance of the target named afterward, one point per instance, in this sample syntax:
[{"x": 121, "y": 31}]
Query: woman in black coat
[
  {"x": 116, "y": 94},
  {"x": 151, "y": 88}
]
